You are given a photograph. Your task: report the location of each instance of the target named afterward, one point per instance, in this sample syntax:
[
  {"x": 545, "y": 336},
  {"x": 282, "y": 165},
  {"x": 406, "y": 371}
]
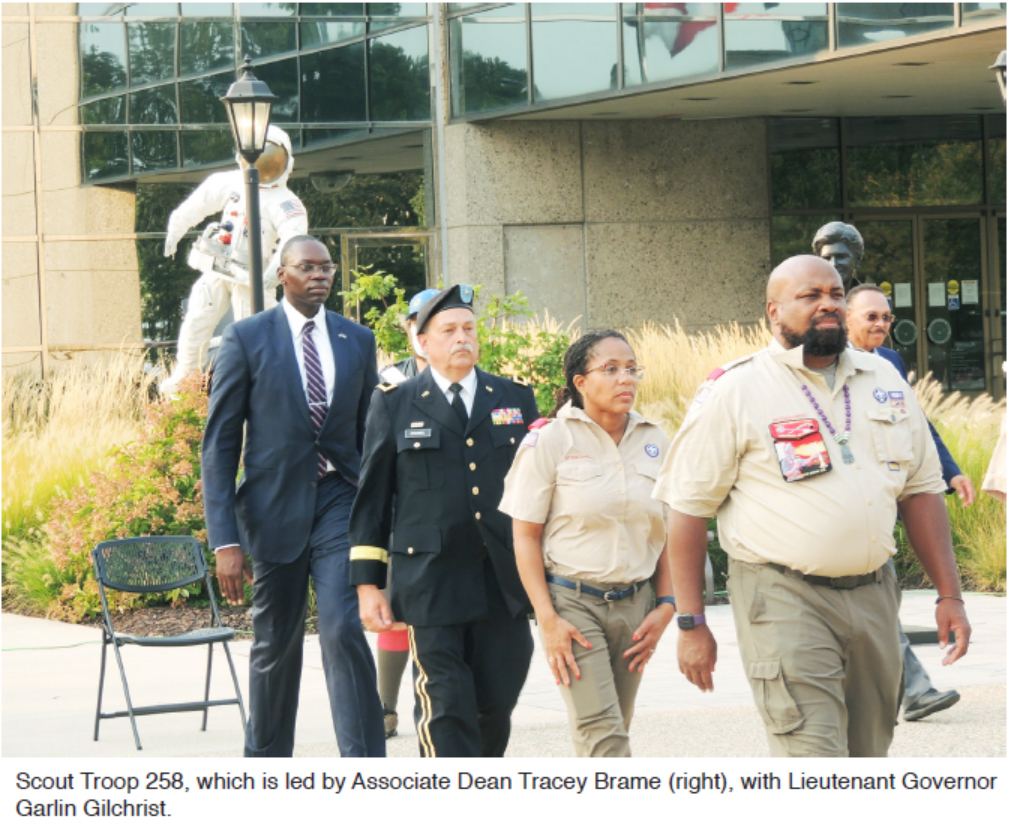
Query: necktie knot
[
  {"x": 456, "y": 388},
  {"x": 308, "y": 327}
]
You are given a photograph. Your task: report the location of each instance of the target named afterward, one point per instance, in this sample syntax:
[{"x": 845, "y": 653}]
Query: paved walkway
[{"x": 50, "y": 678}]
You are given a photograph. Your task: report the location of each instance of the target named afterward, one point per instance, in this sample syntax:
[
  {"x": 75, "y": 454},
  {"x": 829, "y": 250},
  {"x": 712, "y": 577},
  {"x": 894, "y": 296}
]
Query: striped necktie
[{"x": 316, "y": 390}]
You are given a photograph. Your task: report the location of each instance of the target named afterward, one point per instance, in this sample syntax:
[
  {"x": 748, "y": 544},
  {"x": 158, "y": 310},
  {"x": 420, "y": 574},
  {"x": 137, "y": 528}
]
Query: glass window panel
[
  {"x": 107, "y": 110},
  {"x": 334, "y": 85},
  {"x": 895, "y": 162},
  {"x": 283, "y": 80},
  {"x": 974, "y": 12},
  {"x": 267, "y": 9},
  {"x": 333, "y": 9},
  {"x": 206, "y": 46},
  {"x": 322, "y": 32},
  {"x": 103, "y": 58},
  {"x": 860, "y": 24},
  {"x": 207, "y": 147},
  {"x": 805, "y": 163},
  {"x": 104, "y": 155},
  {"x": 996, "y": 129},
  {"x": 206, "y": 9},
  {"x": 322, "y": 136},
  {"x": 99, "y": 10},
  {"x": 151, "y": 106},
  {"x": 385, "y": 15},
  {"x": 152, "y": 52},
  {"x": 267, "y": 39},
  {"x": 792, "y": 235},
  {"x": 153, "y": 9},
  {"x": 400, "y": 76},
  {"x": 740, "y": 11},
  {"x": 662, "y": 44},
  {"x": 765, "y": 39},
  {"x": 573, "y": 49},
  {"x": 489, "y": 59},
  {"x": 200, "y": 99},
  {"x": 153, "y": 151}
]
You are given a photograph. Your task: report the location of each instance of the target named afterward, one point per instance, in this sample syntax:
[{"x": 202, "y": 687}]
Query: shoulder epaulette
[
  {"x": 386, "y": 387},
  {"x": 520, "y": 380},
  {"x": 538, "y": 423},
  {"x": 718, "y": 372}
]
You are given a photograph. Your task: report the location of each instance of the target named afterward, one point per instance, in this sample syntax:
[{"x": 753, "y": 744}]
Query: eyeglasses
[
  {"x": 886, "y": 318},
  {"x": 613, "y": 371},
  {"x": 308, "y": 269}
]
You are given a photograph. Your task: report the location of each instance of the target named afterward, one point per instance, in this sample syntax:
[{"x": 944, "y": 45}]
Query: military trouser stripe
[{"x": 425, "y": 703}]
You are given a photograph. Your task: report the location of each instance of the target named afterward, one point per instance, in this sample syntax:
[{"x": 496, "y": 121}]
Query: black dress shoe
[{"x": 930, "y": 702}]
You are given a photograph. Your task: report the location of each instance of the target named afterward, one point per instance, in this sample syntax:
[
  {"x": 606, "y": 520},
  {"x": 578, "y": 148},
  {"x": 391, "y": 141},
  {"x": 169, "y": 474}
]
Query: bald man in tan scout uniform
[{"x": 806, "y": 451}]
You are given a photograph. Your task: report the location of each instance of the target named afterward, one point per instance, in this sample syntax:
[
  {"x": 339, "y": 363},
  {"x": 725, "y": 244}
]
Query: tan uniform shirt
[
  {"x": 723, "y": 461},
  {"x": 592, "y": 495}
]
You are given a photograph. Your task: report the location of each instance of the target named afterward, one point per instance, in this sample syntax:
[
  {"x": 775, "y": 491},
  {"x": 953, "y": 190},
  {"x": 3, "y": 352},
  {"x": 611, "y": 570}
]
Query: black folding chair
[{"x": 158, "y": 564}]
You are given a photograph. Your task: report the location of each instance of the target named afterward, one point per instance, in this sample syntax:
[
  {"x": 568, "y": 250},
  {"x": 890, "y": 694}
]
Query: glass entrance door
[{"x": 931, "y": 268}]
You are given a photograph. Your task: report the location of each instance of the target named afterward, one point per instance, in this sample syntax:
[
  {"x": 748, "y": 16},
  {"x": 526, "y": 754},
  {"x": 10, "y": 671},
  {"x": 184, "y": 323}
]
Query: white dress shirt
[
  {"x": 468, "y": 386},
  {"x": 324, "y": 351}
]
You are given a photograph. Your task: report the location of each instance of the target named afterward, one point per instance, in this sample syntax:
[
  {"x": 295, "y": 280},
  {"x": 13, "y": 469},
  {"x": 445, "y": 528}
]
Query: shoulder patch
[
  {"x": 386, "y": 387},
  {"x": 530, "y": 439},
  {"x": 538, "y": 423},
  {"x": 520, "y": 380}
]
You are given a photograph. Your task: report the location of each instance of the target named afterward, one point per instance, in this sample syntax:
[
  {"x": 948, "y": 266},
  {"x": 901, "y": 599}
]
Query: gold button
[
  {"x": 469, "y": 442},
  {"x": 512, "y": 440},
  {"x": 411, "y": 550},
  {"x": 417, "y": 445},
  {"x": 475, "y": 490},
  {"x": 471, "y": 466},
  {"x": 478, "y": 516}
]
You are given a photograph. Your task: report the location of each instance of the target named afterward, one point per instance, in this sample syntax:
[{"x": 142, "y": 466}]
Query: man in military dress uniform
[{"x": 437, "y": 450}]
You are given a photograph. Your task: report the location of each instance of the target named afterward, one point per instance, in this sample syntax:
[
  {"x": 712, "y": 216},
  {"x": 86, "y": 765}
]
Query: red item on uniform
[{"x": 393, "y": 641}]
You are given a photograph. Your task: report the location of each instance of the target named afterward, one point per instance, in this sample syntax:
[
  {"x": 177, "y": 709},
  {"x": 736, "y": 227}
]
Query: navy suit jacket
[
  {"x": 257, "y": 388},
  {"x": 950, "y": 467}
]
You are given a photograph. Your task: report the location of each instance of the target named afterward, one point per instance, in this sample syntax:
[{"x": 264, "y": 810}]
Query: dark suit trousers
[
  {"x": 468, "y": 678},
  {"x": 276, "y": 658}
]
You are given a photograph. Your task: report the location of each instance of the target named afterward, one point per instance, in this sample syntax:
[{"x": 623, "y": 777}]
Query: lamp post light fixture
[
  {"x": 1000, "y": 67},
  {"x": 248, "y": 103}
]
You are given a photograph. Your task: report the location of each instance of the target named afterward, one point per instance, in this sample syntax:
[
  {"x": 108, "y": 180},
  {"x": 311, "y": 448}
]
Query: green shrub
[{"x": 153, "y": 488}]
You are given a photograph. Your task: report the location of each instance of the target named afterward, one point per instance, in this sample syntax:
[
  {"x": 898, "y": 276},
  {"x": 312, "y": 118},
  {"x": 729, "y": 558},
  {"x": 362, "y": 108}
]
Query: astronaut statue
[{"x": 221, "y": 253}]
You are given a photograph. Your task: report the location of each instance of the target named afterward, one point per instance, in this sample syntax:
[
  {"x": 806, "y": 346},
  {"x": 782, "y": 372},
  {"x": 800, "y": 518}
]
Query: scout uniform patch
[{"x": 800, "y": 449}]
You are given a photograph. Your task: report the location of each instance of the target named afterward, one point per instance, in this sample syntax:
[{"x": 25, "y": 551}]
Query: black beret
[{"x": 458, "y": 295}]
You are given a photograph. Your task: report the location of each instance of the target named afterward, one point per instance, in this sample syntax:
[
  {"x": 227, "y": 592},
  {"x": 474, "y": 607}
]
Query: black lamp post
[
  {"x": 1000, "y": 67},
  {"x": 248, "y": 103}
]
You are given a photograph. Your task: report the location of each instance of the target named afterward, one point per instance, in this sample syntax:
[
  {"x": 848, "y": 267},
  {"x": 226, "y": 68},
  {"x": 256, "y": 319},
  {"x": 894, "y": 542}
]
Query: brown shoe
[{"x": 390, "y": 723}]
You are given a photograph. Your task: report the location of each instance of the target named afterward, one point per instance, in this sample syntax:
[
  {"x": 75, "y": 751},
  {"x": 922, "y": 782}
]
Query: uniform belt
[
  {"x": 581, "y": 588},
  {"x": 851, "y": 581}
]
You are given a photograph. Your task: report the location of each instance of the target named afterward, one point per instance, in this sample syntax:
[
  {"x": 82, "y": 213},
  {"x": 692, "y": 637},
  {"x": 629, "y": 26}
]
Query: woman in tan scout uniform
[{"x": 588, "y": 538}]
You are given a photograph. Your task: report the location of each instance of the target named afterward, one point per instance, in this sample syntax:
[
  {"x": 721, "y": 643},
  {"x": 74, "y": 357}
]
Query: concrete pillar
[{"x": 618, "y": 222}]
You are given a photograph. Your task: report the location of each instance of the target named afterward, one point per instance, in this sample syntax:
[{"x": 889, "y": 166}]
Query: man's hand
[
  {"x": 231, "y": 567},
  {"x": 951, "y": 617},
  {"x": 374, "y": 611},
  {"x": 697, "y": 652},
  {"x": 964, "y": 488}
]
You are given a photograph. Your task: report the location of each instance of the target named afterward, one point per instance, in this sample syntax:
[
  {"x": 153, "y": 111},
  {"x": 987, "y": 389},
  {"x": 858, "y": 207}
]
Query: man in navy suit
[
  {"x": 298, "y": 380},
  {"x": 869, "y": 321}
]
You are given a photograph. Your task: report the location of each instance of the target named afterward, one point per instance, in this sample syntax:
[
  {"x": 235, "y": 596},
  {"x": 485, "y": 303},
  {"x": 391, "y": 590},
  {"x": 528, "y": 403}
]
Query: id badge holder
[{"x": 800, "y": 449}]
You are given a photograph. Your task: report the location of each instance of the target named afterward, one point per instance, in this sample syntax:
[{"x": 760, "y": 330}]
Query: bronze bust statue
[{"x": 841, "y": 245}]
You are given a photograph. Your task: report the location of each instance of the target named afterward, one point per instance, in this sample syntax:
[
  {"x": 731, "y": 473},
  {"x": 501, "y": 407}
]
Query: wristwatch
[{"x": 688, "y": 621}]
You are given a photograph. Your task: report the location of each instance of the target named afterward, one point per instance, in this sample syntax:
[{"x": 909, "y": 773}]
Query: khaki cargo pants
[
  {"x": 824, "y": 664},
  {"x": 600, "y": 705}
]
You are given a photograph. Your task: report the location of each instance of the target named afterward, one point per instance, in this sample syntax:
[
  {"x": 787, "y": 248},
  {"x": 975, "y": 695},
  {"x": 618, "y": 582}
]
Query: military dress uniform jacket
[{"x": 444, "y": 484}]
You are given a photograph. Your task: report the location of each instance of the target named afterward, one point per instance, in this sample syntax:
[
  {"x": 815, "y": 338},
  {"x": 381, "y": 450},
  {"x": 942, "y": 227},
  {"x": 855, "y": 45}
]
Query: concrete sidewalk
[{"x": 50, "y": 680}]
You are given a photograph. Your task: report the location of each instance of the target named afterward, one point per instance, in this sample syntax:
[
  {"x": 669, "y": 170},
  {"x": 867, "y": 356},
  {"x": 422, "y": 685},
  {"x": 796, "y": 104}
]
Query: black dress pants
[{"x": 467, "y": 680}]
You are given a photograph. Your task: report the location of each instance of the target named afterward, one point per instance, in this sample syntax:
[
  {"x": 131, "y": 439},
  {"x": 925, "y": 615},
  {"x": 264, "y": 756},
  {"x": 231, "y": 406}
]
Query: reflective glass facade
[
  {"x": 507, "y": 56},
  {"x": 152, "y": 75}
]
